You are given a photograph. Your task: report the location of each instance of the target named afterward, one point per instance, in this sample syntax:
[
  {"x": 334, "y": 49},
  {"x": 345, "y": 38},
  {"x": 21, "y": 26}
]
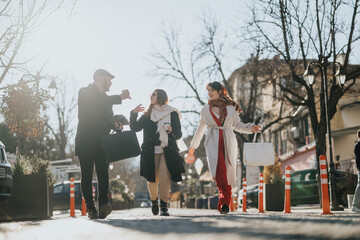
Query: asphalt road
[{"x": 192, "y": 224}]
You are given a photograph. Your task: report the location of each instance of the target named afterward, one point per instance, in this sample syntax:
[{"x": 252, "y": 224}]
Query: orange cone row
[
  {"x": 287, "y": 207},
  {"x": 72, "y": 200}
]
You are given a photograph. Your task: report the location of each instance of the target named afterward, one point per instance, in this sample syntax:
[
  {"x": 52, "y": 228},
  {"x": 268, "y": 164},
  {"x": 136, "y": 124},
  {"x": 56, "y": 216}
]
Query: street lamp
[
  {"x": 52, "y": 88},
  {"x": 340, "y": 75}
]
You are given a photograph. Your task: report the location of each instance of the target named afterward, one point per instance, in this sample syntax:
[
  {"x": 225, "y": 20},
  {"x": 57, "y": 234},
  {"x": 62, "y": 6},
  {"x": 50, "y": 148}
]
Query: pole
[
  {"x": 334, "y": 203},
  {"x": 324, "y": 186},
  {"x": 261, "y": 194},
  {"x": 72, "y": 198},
  {"x": 287, "y": 190},
  {"x": 244, "y": 196}
]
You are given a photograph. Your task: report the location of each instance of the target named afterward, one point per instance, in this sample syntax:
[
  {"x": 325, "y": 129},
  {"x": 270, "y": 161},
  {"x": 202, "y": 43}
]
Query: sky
[{"x": 119, "y": 36}]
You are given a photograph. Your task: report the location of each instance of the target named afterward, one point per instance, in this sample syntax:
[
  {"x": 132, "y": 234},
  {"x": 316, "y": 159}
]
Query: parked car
[
  {"x": 145, "y": 204},
  {"x": 251, "y": 196},
  {"x": 61, "y": 195},
  {"x": 304, "y": 188},
  {"x": 6, "y": 179}
]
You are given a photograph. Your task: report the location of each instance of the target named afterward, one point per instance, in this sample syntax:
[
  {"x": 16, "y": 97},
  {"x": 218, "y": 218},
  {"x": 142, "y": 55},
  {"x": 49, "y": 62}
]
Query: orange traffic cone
[
  {"x": 287, "y": 189},
  {"x": 261, "y": 194},
  {"x": 72, "y": 198},
  {"x": 244, "y": 206},
  {"x": 83, "y": 207},
  {"x": 93, "y": 188},
  {"x": 232, "y": 204},
  {"x": 324, "y": 187}
]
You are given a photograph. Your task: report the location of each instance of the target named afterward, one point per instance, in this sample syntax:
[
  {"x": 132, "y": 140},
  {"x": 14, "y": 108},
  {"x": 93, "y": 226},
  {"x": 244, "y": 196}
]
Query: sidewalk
[{"x": 189, "y": 224}]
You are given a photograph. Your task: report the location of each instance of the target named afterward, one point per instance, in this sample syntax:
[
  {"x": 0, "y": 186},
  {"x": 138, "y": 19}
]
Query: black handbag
[{"x": 120, "y": 146}]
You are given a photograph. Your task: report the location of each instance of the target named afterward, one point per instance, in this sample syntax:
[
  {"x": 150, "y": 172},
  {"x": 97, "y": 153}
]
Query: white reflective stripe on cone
[
  {"x": 324, "y": 181},
  {"x": 287, "y": 186},
  {"x": 323, "y": 171},
  {"x": 322, "y": 162}
]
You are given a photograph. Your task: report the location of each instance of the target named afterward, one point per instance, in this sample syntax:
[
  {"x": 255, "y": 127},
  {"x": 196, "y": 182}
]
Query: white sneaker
[{"x": 356, "y": 209}]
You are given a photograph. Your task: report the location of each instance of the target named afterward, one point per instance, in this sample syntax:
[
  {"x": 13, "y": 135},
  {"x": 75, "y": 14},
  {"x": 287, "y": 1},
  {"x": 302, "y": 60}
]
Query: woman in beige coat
[{"x": 220, "y": 117}]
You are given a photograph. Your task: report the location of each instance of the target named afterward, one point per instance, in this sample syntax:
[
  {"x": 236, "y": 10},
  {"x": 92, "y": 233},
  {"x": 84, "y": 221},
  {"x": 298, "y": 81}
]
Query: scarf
[
  {"x": 221, "y": 103},
  {"x": 161, "y": 115}
]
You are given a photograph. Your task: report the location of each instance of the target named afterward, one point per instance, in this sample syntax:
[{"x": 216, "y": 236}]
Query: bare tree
[
  {"x": 19, "y": 19},
  {"x": 300, "y": 31},
  {"x": 64, "y": 104},
  {"x": 205, "y": 64}
]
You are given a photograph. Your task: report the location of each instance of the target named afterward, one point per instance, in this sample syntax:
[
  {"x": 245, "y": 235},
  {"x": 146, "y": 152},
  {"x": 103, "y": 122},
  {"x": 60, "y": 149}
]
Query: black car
[
  {"x": 305, "y": 190},
  {"x": 251, "y": 195},
  {"x": 6, "y": 180},
  {"x": 61, "y": 195}
]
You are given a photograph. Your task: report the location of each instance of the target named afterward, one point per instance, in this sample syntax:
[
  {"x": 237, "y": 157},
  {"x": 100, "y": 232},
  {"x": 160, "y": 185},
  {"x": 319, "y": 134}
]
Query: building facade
[{"x": 292, "y": 136}]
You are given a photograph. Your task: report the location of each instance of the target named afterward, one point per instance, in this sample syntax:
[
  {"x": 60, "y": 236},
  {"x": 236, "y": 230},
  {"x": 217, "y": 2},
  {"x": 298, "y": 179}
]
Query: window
[
  {"x": 58, "y": 189},
  {"x": 77, "y": 188},
  {"x": 310, "y": 176},
  {"x": 2, "y": 155},
  {"x": 296, "y": 177}
]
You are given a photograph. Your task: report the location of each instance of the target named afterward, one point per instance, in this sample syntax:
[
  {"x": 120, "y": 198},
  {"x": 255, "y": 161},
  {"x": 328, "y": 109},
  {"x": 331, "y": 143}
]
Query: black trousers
[{"x": 87, "y": 168}]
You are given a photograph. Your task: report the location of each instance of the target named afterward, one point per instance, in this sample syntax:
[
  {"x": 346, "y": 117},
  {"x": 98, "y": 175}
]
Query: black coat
[
  {"x": 95, "y": 120},
  {"x": 174, "y": 162},
  {"x": 357, "y": 155}
]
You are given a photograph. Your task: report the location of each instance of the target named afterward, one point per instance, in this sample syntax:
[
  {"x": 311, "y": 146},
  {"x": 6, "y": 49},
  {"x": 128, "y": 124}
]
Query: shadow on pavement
[{"x": 242, "y": 225}]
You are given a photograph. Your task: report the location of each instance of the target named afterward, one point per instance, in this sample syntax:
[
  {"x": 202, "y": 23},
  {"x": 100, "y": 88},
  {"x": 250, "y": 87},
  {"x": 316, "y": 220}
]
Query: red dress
[{"x": 221, "y": 177}]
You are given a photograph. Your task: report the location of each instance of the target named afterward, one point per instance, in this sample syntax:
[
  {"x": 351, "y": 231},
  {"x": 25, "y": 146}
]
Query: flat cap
[{"x": 102, "y": 72}]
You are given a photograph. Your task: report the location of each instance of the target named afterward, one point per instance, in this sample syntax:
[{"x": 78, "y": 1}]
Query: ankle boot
[
  {"x": 155, "y": 207},
  {"x": 224, "y": 209},
  {"x": 163, "y": 208}
]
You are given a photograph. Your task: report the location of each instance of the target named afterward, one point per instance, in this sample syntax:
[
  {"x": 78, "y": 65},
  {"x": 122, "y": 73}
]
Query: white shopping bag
[{"x": 259, "y": 154}]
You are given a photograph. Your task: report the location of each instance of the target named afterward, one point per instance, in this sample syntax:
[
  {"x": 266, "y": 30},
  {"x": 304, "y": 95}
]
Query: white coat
[{"x": 232, "y": 122}]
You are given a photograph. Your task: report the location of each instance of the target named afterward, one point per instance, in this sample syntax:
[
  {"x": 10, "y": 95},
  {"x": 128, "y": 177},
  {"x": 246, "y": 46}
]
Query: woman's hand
[
  {"x": 169, "y": 129},
  {"x": 191, "y": 151},
  {"x": 190, "y": 158},
  {"x": 139, "y": 108},
  {"x": 256, "y": 128}
]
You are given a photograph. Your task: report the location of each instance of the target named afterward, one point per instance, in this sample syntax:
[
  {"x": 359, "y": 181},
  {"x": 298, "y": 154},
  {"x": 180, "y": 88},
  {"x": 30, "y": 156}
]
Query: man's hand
[
  {"x": 139, "y": 108},
  {"x": 125, "y": 94},
  {"x": 118, "y": 126}
]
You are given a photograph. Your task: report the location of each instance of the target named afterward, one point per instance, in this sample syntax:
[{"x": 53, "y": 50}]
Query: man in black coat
[
  {"x": 95, "y": 121},
  {"x": 356, "y": 201}
]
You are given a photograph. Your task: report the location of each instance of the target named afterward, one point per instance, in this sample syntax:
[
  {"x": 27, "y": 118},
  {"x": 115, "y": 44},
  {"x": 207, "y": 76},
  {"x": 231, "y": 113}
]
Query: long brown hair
[
  {"x": 223, "y": 95},
  {"x": 161, "y": 99}
]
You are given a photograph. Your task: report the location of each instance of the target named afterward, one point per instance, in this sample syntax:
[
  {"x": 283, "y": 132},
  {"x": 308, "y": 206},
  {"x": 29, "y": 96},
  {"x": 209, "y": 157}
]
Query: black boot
[
  {"x": 224, "y": 209},
  {"x": 92, "y": 213},
  {"x": 163, "y": 208},
  {"x": 105, "y": 210},
  {"x": 155, "y": 207}
]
